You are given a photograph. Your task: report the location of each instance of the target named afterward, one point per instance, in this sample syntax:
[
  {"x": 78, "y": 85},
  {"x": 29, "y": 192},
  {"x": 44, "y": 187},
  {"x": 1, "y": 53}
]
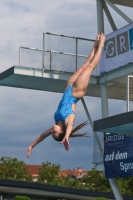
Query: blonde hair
[{"x": 61, "y": 136}]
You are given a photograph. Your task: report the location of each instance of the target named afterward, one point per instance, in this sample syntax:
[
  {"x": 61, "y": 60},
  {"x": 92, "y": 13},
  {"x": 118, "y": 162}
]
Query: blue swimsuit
[{"x": 65, "y": 106}]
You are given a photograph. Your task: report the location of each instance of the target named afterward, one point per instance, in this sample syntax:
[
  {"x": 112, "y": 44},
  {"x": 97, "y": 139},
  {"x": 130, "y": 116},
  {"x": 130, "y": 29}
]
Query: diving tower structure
[
  {"x": 103, "y": 7},
  {"x": 49, "y": 68}
]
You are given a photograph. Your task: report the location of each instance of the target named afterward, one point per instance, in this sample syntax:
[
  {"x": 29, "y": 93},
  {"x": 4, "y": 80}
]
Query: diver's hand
[
  {"x": 29, "y": 151},
  {"x": 66, "y": 143}
]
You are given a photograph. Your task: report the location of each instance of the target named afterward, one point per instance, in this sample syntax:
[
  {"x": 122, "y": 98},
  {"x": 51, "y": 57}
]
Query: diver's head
[{"x": 57, "y": 133}]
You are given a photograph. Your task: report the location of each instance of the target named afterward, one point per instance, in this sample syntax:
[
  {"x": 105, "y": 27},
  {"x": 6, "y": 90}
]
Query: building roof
[
  {"x": 77, "y": 173},
  {"x": 34, "y": 169}
]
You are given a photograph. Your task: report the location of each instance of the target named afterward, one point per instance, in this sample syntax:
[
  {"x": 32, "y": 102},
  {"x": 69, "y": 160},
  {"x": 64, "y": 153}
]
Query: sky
[{"x": 25, "y": 114}]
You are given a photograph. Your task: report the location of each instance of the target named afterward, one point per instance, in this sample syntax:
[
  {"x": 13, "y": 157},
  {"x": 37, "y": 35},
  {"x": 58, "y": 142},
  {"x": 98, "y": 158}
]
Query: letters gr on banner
[
  {"x": 118, "y": 49},
  {"x": 118, "y": 155},
  {"x": 119, "y": 44}
]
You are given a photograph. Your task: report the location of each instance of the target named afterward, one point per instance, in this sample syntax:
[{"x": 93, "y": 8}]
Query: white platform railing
[{"x": 59, "y": 53}]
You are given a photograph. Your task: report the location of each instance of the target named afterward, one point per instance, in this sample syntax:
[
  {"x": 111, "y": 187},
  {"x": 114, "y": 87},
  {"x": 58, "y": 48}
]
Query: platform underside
[
  {"x": 54, "y": 81},
  {"x": 122, "y": 123},
  {"x": 46, "y": 80},
  {"x": 128, "y": 3}
]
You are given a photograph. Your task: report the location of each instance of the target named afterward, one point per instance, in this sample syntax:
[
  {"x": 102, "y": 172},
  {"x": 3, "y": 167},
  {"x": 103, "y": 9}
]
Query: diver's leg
[
  {"x": 72, "y": 79},
  {"x": 81, "y": 83}
]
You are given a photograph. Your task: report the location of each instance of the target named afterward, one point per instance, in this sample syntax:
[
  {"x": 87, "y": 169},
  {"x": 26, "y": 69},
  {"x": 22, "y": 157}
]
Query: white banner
[{"x": 118, "y": 49}]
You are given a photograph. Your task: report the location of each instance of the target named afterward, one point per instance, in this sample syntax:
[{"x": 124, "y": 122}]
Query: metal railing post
[
  {"x": 50, "y": 60},
  {"x": 19, "y": 56},
  {"x": 127, "y": 93},
  {"x": 43, "y": 51},
  {"x": 76, "y": 53}
]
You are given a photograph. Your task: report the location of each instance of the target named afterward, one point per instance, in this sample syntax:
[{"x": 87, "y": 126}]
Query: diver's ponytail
[{"x": 78, "y": 128}]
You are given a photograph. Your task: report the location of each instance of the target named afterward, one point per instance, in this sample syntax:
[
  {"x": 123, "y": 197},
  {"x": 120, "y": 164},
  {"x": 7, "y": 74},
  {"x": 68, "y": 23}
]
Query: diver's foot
[
  {"x": 101, "y": 39},
  {"x": 96, "y": 42}
]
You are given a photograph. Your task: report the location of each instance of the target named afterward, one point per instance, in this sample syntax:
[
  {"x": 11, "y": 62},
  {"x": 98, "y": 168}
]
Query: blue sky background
[{"x": 24, "y": 114}]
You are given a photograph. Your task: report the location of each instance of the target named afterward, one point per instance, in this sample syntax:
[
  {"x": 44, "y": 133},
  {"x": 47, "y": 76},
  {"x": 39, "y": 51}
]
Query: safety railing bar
[
  {"x": 69, "y": 36},
  {"x": 30, "y": 48},
  {"x": 59, "y": 35},
  {"x": 79, "y": 38},
  {"x": 58, "y": 52},
  {"x": 34, "y": 49}
]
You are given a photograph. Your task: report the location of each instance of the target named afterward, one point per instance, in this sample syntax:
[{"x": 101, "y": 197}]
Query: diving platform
[
  {"x": 40, "y": 79},
  {"x": 55, "y": 81},
  {"x": 121, "y": 124}
]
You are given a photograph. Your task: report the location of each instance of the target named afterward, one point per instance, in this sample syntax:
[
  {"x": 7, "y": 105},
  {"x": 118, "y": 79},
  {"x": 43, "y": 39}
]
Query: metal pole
[
  {"x": 50, "y": 59},
  {"x": 76, "y": 53},
  {"x": 127, "y": 93},
  {"x": 19, "y": 56},
  {"x": 43, "y": 51},
  {"x": 100, "y": 18},
  {"x": 104, "y": 102},
  {"x": 110, "y": 19},
  {"x": 91, "y": 123},
  {"x": 119, "y": 11}
]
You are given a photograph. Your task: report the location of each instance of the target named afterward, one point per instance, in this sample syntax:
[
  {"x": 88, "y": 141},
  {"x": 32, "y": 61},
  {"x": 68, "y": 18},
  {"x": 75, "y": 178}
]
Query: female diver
[{"x": 75, "y": 89}]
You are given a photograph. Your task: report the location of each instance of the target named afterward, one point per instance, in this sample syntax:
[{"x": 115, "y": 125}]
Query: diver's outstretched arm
[
  {"x": 69, "y": 128},
  {"x": 38, "y": 140}
]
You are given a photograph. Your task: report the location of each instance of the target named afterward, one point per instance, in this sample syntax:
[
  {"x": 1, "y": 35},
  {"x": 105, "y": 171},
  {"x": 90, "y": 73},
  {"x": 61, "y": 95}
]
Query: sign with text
[
  {"x": 117, "y": 49},
  {"x": 118, "y": 155}
]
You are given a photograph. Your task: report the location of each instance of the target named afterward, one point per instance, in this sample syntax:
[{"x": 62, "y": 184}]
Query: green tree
[
  {"x": 21, "y": 198},
  {"x": 12, "y": 168},
  {"x": 96, "y": 181},
  {"x": 49, "y": 174},
  {"x": 126, "y": 185},
  {"x": 71, "y": 183}
]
